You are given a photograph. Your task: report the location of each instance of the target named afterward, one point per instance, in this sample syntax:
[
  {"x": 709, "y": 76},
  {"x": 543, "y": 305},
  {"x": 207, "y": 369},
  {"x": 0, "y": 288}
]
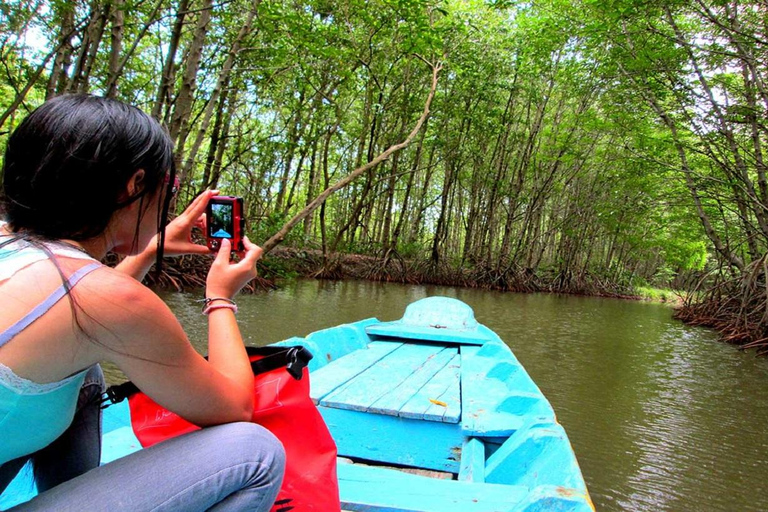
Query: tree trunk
[
  {"x": 404, "y": 213},
  {"x": 221, "y": 84},
  {"x": 117, "y": 21},
  {"x": 295, "y": 132},
  {"x": 58, "y": 78},
  {"x": 217, "y": 139},
  {"x": 180, "y": 120},
  {"x": 166, "y": 79},
  {"x": 280, "y": 235}
]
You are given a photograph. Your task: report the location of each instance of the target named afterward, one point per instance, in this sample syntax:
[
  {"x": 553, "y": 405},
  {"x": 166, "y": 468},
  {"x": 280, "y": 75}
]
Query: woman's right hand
[{"x": 226, "y": 278}]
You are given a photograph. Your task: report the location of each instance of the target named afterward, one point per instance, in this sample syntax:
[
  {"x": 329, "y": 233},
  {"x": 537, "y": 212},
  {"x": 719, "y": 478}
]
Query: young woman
[{"x": 83, "y": 176}]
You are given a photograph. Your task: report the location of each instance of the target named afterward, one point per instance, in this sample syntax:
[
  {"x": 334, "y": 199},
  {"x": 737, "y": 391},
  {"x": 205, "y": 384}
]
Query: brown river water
[{"x": 662, "y": 416}]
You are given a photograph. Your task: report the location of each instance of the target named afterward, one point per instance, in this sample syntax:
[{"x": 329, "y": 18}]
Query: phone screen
[{"x": 220, "y": 224}]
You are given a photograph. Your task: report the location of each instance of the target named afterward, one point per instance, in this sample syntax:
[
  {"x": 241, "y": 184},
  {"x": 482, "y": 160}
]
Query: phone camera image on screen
[
  {"x": 225, "y": 219},
  {"x": 220, "y": 224}
]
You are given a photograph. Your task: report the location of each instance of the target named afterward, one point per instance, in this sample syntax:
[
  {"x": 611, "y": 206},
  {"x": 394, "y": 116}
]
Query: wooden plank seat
[
  {"x": 375, "y": 400},
  {"x": 371, "y": 488},
  {"x": 407, "y": 380}
]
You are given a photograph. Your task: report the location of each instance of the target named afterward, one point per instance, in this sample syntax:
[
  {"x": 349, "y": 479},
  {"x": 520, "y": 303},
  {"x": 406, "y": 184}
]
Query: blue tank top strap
[{"x": 47, "y": 304}]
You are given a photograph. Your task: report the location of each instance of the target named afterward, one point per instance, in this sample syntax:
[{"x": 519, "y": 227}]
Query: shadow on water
[{"x": 661, "y": 415}]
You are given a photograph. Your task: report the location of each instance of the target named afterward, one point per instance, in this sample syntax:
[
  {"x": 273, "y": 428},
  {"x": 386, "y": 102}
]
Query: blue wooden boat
[{"x": 432, "y": 412}]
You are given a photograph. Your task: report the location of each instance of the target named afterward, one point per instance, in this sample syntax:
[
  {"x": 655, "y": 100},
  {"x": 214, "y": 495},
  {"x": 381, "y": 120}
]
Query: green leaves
[{"x": 581, "y": 135}]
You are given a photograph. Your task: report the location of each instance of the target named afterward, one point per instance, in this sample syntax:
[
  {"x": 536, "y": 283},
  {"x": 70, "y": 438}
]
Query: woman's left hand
[{"x": 178, "y": 233}]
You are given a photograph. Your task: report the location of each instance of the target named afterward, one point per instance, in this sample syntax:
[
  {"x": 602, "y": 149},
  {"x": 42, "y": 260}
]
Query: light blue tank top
[{"x": 33, "y": 415}]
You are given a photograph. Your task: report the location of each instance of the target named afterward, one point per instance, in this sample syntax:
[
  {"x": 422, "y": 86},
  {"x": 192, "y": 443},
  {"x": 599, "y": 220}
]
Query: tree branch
[{"x": 320, "y": 199}]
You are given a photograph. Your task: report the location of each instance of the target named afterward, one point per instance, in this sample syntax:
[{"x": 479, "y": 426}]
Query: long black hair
[
  {"x": 66, "y": 171},
  {"x": 68, "y": 163}
]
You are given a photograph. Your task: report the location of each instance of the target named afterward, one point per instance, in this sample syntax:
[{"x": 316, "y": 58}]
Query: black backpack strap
[{"x": 293, "y": 359}]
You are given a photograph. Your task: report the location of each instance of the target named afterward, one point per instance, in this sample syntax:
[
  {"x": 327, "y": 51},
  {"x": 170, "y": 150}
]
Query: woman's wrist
[
  {"x": 213, "y": 303},
  {"x": 212, "y": 293}
]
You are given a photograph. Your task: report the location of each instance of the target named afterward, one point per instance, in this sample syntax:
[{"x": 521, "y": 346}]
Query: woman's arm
[
  {"x": 138, "y": 332},
  {"x": 225, "y": 345}
]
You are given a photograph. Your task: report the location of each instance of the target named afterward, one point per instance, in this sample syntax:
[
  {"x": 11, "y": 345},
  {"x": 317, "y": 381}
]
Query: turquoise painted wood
[
  {"x": 439, "y": 399},
  {"x": 383, "y": 378},
  {"x": 498, "y": 396},
  {"x": 375, "y": 489},
  {"x": 538, "y": 454},
  {"x": 392, "y": 440},
  {"x": 453, "y": 323},
  {"x": 435, "y": 390},
  {"x": 472, "y": 467},
  {"x": 408, "y": 389},
  {"x": 334, "y": 342},
  {"x": 483, "y": 388},
  {"x": 119, "y": 439},
  {"x": 333, "y": 375}
]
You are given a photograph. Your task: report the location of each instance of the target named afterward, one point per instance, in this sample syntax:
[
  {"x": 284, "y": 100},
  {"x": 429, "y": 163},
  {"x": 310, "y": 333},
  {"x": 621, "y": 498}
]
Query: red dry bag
[{"x": 282, "y": 405}]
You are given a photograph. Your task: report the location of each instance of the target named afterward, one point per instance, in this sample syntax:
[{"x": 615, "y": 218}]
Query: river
[{"x": 661, "y": 415}]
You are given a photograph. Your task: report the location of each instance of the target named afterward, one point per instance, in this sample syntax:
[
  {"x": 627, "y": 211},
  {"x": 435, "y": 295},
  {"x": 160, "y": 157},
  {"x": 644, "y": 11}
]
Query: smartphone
[{"x": 224, "y": 216}]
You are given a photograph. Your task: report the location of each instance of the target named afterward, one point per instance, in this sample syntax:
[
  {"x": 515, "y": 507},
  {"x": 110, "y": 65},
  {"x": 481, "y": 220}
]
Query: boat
[{"x": 430, "y": 413}]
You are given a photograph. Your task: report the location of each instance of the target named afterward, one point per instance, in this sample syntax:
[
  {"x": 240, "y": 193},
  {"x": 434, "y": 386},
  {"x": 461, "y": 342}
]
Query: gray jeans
[{"x": 237, "y": 466}]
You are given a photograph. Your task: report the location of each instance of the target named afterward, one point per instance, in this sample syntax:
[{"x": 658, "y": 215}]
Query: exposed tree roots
[
  {"x": 190, "y": 271},
  {"x": 737, "y": 307}
]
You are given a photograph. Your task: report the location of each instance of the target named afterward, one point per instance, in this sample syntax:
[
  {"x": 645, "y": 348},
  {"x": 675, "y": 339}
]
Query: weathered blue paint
[
  {"x": 393, "y": 380},
  {"x": 441, "y": 319},
  {"x": 538, "y": 454},
  {"x": 376, "y": 489},
  {"x": 484, "y": 387},
  {"x": 393, "y": 440},
  {"x": 497, "y": 395},
  {"x": 329, "y": 378},
  {"x": 335, "y": 342},
  {"x": 439, "y": 399},
  {"x": 472, "y": 468},
  {"x": 434, "y": 390},
  {"x": 548, "y": 498},
  {"x": 118, "y": 439}
]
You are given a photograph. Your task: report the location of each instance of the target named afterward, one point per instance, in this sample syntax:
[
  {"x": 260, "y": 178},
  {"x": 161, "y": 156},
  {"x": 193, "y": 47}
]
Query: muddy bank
[
  {"x": 190, "y": 271},
  {"x": 735, "y": 306}
]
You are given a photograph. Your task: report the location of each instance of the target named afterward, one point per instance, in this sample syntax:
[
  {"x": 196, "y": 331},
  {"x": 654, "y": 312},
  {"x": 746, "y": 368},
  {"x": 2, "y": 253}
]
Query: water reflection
[{"x": 661, "y": 415}]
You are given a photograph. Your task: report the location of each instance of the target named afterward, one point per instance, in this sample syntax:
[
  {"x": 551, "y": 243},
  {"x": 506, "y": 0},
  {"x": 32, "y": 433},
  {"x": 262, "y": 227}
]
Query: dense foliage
[{"x": 586, "y": 144}]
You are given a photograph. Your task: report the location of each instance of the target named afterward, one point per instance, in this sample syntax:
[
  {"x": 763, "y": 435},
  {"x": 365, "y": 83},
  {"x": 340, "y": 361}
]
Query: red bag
[{"x": 284, "y": 407}]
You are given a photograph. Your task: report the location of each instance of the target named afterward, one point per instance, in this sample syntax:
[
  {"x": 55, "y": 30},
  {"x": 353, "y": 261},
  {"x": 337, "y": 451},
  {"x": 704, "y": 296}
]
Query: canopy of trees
[{"x": 575, "y": 141}]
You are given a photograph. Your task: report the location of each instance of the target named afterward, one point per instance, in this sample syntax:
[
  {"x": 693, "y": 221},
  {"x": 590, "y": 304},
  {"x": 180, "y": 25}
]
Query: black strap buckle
[
  {"x": 293, "y": 359},
  {"x": 294, "y": 366},
  {"x": 118, "y": 393}
]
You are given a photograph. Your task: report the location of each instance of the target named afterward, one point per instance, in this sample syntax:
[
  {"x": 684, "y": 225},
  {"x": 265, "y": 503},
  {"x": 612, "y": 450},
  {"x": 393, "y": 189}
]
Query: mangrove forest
[{"x": 578, "y": 146}]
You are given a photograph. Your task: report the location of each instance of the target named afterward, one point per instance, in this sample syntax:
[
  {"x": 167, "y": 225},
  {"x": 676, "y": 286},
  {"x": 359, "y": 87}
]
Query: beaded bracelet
[
  {"x": 208, "y": 300},
  {"x": 214, "y": 307}
]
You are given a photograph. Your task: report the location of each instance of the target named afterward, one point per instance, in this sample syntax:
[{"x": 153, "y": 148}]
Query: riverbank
[
  {"x": 736, "y": 306},
  {"x": 285, "y": 262}
]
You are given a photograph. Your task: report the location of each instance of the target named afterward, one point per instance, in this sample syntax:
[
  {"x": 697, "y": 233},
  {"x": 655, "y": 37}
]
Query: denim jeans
[{"x": 237, "y": 466}]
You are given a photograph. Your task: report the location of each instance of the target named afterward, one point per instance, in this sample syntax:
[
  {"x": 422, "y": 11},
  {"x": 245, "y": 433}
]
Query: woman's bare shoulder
[{"x": 123, "y": 310}]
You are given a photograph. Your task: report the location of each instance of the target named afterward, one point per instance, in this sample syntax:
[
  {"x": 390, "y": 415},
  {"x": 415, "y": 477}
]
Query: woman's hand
[
  {"x": 226, "y": 278},
  {"x": 178, "y": 233}
]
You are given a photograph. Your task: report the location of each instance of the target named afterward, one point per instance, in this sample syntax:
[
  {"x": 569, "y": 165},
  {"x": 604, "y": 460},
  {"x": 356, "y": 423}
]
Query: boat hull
[{"x": 433, "y": 392}]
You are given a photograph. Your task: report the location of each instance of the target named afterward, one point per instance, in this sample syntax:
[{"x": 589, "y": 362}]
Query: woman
[{"x": 83, "y": 176}]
